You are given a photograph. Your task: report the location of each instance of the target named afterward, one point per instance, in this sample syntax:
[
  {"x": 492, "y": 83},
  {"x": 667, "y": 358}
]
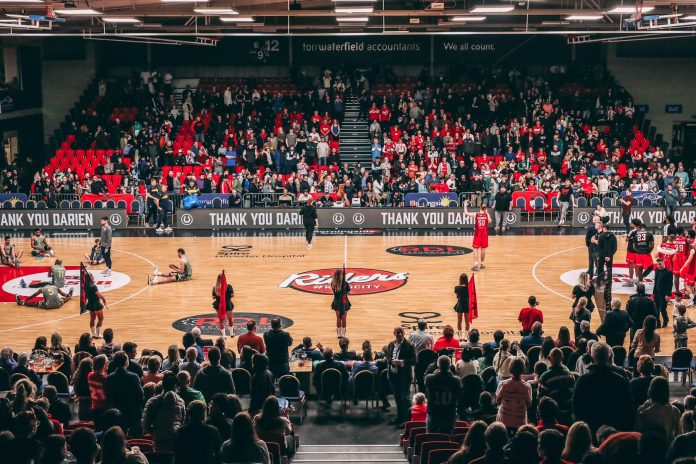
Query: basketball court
[{"x": 396, "y": 279}]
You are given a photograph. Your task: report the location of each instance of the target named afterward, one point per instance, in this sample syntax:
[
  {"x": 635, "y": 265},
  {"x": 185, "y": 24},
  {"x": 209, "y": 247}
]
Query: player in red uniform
[
  {"x": 631, "y": 252},
  {"x": 688, "y": 272},
  {"x": 681, "y": 253},
  {"x": 481, "y": 222}
]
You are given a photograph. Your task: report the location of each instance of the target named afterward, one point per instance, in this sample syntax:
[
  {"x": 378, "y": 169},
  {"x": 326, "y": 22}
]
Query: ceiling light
[
  {"x": 353, "y": 10},
  {"x": 492, "y": 9},
  {"x": 214, "y": 11},
  {"x": 630, "y": 9},
  {"x": 583, "y": 17},
  {"x": 352, "y": 19},
  {"x": 121, "y": 20},
  {"x": 467, "y": 18},
  {"x": 21, "y": 1},
  {"x": 354, "y": 1},
  {"x": 78, "y": 12},
  {"x": 237, "y": 19},
  {"x": 184, "y": 1},
  {"x": 688, "y": 18}
]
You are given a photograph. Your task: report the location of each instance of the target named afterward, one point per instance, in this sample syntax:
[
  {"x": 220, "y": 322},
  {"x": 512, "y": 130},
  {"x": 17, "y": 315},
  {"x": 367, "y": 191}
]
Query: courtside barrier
[
  {"x": 651, "y": 216},
  {"x": 61, "y": 219}
]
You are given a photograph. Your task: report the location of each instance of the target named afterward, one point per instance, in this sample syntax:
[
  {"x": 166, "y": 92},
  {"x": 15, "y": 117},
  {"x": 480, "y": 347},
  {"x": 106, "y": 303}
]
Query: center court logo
[
  {"x": 22, "y": 283},
  {"x": 429, "y": 250},
  {"x": 362, "y": 281},
  {"x": 209, "y": 325},
  {"x": 619, "y": 276}
]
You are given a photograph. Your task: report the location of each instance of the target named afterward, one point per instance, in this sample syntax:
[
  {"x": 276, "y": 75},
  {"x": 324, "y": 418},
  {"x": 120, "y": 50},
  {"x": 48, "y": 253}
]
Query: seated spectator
[
  {"x": 196, "y": 332},
  {"x": 57, "y": 407},
  {"x": 419, "y": 408},
  {"x": 488, "y": 410},
  {"x": 86, "y": 344},
  {"x": 307, "y": 350},
  {"x": 586, "y": 333},
  {"x": 486, "y": 360},
  {"x": 188, "y": 394},
  {"x": 244, "y": 446},
  {"x": 467, "y": 364},
  {"x": 473, "y": 446},
  {"x": 684, "y": 445},
  {"x": 219, "y": 414},
  {"x": 83, "y": 445},
  {"x": 108, "y": 347},
  {"x": 189, "y": 341},
  {"x": 271, "y": 425},
  {"x": 547, "y": 412},
  {"x": 190, "y": 364},
  {"x": 154, "y": 363},
  {"x": 495, "y": 437},
  {"x": 564, "y": 338},
  {"x": 251, "y": 339},
  {"x": 329, "y": 363},
  {"x": 367, "y": 364},
  {"x": 262, "y": 385},
  {"x": 523, "y": 447},
  {"x": 206, "y": 438},
  {"x": 114, "y": 449},
  {"x": 474, "y": 340},
  {"x": 578, "y": 442},
  {"x": 641, "y": 384},
  {"x": 228, "y": 359},
  {"x": 533, "y": 339},
  {"x": 657, "y": 414},
  {"x": 22, "y": 367},
  {"x": 246, "y": 357},
  {"x": 579, "y": 314},
  {"x": 213, "y": 378},
  {"x": 585, "y": 361},
  {"x": 172, "y": 361},
  {"x": 514, "y": 396},
  {"x": 345, "y": 354},
  {"x": 551, "y": 444},
  {"x": 164, "y": 414},
  {"x": 501, "y": 361},
  {"x": 448, "y": 340}
]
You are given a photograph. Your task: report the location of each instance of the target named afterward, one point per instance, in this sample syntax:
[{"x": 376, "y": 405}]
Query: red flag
[
  {"x": 85, "y": 279},
  {"x": 222, "y": 306},
  {"x": 473, "y": 302}
]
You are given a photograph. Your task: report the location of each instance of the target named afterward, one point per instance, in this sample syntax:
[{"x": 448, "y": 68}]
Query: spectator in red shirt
[
  {"x": 448, "y": 340},
  {"x": 95, "y": 380},
  {"x": 530, "y": 315},
  {"x": 251, "y": 339}
]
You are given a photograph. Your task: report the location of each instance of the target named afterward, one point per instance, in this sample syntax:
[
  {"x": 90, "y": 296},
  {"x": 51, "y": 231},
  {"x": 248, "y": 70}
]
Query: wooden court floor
[{"x": 517, "y": 266}]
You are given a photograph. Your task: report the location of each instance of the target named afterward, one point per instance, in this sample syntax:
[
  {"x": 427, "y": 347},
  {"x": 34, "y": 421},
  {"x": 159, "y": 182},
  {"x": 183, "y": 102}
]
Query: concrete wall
[
  {"x": 63, "y": 82},
  {"x": 657, "y": 82}
]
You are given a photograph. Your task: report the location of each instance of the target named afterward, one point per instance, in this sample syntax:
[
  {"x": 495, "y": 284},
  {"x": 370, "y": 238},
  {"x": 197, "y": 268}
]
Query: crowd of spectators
[
  {"x": 524, "y": 129},
  {"x": 540, "y": 399}
]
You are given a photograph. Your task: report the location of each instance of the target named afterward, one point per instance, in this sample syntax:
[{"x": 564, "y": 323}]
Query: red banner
[
  {"x": 473, "y": 302},
  {"x": 115, "y": 197}
]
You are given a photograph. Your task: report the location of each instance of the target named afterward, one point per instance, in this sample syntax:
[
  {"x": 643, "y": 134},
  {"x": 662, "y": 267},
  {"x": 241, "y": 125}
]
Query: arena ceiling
[{"x": 210, "y": 18}]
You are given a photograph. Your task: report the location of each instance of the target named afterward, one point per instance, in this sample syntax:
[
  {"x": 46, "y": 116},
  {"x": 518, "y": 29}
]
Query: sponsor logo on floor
[
  {"x": 619, "y": 277},
  {"x": 24, "y": 281},
  {"x": 209, "y": 324},
  {"x": 246, "y": 251},
  {"x": 362, "y": 281},
  {"x": 429, "y": 250}
]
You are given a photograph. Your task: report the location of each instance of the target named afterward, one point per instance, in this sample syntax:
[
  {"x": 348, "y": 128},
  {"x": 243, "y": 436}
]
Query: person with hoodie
[{"x": 164, "y": 414}]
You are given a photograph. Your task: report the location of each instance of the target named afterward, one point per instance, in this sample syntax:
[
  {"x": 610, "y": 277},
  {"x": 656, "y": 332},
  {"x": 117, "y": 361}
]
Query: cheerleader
[
  {"x": 225, "y": 314},
  {"x": 341, "y": 303},
  {"x": 462, "y": 306}
]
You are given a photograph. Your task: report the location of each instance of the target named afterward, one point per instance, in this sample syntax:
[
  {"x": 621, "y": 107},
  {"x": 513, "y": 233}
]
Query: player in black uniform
[
  {"x": 309, "y": 220},
  {"x": 341, "y": 303},
  {"x": 442, "y": 389},
  {"x": 644, "y": 242},
  {"x": 631, "y": 252}
]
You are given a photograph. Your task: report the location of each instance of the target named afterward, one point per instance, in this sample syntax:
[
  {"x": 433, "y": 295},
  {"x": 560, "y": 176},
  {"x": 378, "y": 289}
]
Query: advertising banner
[
  {"x": 360, "y": 49},
  {"x": 431, "y": 200},
  {"x": 488, "y": 48},
  {"x": 61, "y": 219},
  {"x": 332, "y": 218},
  {"x": 652, "y": 217},
  {"x": 205, "y": 200},
  {"x": 12, "y": 198}
]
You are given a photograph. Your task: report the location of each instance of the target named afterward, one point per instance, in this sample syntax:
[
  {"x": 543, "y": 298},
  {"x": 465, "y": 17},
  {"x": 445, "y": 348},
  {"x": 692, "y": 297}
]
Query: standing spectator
[
  {"x": 329, "y": 363},
  {"x": 514, "y": 396},
  {"x": 671, "y": 199},
  {"x": 565, "y": 199},
  {"x": 189, "y": 364},
  {"x": 591, "y": 244},
  {"x": 401, "y": 357},
  {"x": 277, "y": 343},
  {"x": 496, "y": 437},
  {"x": 627, "y": 203},
  {"x": 261, "y": 383},
  {"x": 614, "y": 406},
  {"x": 578, "y": 442},
  {"x": 96, "y": 380},
  {"x": 502, "y": 204},
  {"x": 641, "y": 384},
  {"x": 124, "y": 391},
  {"x": 530, "y": 315},
  {"x": 646, "y": 340},
  {"x": 164, "y": 414},
  {"x": 615, "y": 325},
  {"x": 420, "y": 339},
  {"x": 640, "y": 306},
  {"x": 442, "y": 390},
  {"x": 551, "y": 443},
  {"x": 606, "y": 249},
  {"x": 579, "y": 314},
  {"x": 114, "y": 449},
  {"x": 682, "y": 323},
  {"x": 447, "y": 340},
  {"x": 557, "y": 382},
  {"x": 213, "y": 378},
  {"x": 197, "y": 441},
  {"x": 251, "y": 339},
  {"x": 662, "y": 291}
]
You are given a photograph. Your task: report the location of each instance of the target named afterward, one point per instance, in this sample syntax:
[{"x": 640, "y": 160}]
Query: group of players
[{"x": 11, "y": 255}]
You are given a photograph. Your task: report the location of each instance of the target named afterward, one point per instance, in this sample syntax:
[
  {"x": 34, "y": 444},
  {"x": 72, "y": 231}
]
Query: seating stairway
[{"x": 348, "y": 454}]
